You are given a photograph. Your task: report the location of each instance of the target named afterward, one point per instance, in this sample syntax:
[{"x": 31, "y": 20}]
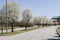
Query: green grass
[
  {"x": 18, "y": 32},
  {"x": 21, "y": 31}
]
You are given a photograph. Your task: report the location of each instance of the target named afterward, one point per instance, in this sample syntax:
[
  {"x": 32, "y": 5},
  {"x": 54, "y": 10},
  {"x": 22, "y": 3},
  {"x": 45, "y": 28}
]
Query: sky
[{"x": 49, "y": 8}]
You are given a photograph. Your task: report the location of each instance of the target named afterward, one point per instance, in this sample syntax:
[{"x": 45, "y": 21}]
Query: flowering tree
[
  {"x": 10, "y": 13},
  {"x": 37, "y": 20},
  {"x": 26, "y": 17}
]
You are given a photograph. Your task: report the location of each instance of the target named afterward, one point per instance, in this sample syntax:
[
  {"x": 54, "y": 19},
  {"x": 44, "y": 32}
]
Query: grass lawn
[
  {"x": 21, "y": 31},
  {"x": 18, "y": 32}
]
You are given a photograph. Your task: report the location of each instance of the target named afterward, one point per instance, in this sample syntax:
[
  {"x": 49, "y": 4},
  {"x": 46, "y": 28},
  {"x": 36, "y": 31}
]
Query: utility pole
[{"x": 6, "y": 17}]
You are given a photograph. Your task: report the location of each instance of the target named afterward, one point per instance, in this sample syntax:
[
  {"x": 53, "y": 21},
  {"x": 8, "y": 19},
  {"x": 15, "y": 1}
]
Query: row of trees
[{"x": 13, "y": 15}]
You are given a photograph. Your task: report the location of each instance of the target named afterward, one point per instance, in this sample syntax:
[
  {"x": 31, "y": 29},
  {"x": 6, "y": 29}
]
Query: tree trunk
[
  {"x": 25, "y": 28},
  {"x": 38, "y": 26},
  {"x": 1, "y": 29},
  {"x": 12, "y": 27}
]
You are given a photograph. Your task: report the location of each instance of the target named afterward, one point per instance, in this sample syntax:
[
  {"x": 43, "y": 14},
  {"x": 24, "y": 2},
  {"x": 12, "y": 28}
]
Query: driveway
[{"x": 47, "y": 33}]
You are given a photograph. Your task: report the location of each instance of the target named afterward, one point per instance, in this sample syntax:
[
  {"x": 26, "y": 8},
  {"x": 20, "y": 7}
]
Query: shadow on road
[
  {"x": 53, "y": 39},
  {"x": 56, "y": 38}
]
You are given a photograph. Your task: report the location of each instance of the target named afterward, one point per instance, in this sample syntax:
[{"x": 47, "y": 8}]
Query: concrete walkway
[
  {"x": 9, "y": 30},
  {"x": 48, "y": 33}
]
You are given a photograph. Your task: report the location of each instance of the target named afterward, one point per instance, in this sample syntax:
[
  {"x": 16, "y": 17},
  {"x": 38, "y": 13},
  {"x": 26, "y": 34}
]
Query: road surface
[{"x": 47, "y": 33}]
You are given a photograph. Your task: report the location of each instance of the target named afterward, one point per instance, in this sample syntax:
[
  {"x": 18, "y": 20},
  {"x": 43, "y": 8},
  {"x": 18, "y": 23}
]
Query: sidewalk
[{"x": 4, "y": 31}]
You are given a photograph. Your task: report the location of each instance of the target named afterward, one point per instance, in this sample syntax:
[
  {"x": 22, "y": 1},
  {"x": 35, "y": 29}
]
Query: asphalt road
[{"x": 48, "y": 33}]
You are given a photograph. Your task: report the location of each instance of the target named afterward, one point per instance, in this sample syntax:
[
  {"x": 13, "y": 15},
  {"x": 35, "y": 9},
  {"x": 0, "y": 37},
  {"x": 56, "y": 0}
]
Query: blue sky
[{"x": 47, "y": 8}]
